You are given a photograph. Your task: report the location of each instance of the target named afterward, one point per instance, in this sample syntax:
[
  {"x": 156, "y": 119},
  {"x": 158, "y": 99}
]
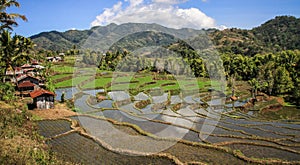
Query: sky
[{"x": 62, "y": 15}]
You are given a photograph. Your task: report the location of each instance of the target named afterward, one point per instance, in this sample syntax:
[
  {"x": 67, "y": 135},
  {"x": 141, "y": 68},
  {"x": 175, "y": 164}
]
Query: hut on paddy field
[{"x": 42, "y": 99}]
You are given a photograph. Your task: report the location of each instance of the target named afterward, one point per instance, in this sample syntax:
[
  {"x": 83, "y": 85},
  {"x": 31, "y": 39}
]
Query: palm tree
[
  {"x": 12, "y": 50},
  {"x": 8, "y": 20}
]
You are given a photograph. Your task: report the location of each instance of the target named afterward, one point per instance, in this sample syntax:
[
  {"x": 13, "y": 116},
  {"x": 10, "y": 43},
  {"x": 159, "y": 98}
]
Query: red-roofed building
[
  {"x": 26, "y": 86},
  {"x": 43, "y": 99}
]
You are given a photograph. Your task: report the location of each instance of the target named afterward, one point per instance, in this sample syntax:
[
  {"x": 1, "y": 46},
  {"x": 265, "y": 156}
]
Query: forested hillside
[
  {"x": 280, "y": 33},
  {"x": 100, "y": 38}
]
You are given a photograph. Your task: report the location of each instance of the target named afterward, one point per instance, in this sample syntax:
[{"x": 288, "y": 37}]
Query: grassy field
[
  {"x": 98, "y": 83},
  {"x": 71, "y": 82},
  {"x": 119, "y": 81},
  {"x": 63, "y": 69},
  {"x": 60, "y": 76}
]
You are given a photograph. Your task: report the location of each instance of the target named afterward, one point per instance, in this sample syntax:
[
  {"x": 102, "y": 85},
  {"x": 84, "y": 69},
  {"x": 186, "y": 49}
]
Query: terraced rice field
[
  {"x": 171, "y": 128},
  {"x": 112, "y": 140}
]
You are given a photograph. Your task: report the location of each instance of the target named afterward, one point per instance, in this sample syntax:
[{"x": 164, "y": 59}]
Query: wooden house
[
  {"x": 27, "y": 68},
  {"x": 24, "y": 77},
  {"x": 25, "y": 88},
  {"x": 43, "y": 99}
]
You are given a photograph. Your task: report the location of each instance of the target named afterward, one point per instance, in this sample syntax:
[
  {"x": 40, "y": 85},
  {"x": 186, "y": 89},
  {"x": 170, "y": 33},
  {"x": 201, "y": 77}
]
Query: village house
[
  {"x": 27, "y": 68},
  {"x": 23, "y": 77},
  {"x": 10, "y": 74},
  {"x": 43, "y": 99},
  {"x": 25, "y": 88},
  {"x": 54, "y": 59},
  {"x": 29, "y": 83}
]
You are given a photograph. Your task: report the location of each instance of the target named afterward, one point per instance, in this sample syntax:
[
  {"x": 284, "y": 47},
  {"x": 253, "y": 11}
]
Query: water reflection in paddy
[
  {"x": 104, "y": 104},
  {"x": 141, "y": 96},
  {"x": 81, "y": 104},
  {"x": 93, "y": 92},
  {"x": 160, "y": 99},
  {"x": 175, "y": 99},
  {"x": 118, "y": 95},
  {"x": 69, "y": 92},
  {"x": 158, "y": 129}
]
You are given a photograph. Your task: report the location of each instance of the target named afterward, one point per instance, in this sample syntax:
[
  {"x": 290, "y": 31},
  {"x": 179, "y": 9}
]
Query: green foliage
[
  {"x": 14, "y": 50},
  {"x": 6, "y": 91},
  {"x": 143, "y": 39},
  {"x": 49, "y": 84},
  {"x": 7, "y": 20},
  {"x": 91, "y": 58},
  {"x": 282, "y": 82},
  {"x": 296, "y": 92},
  {"x": 280, "y": 33}
]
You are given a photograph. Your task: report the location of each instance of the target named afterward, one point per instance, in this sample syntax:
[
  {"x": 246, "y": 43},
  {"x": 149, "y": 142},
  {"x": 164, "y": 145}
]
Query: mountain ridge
[{"x": 279, "y": 33}]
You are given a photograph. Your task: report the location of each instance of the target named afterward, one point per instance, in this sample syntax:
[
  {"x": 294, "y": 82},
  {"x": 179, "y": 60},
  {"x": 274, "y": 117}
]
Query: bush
[{"x": 6, "y": 91}]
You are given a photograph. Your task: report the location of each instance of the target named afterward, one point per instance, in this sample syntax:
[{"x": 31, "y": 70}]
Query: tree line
[{"x": 275, "y": 74}]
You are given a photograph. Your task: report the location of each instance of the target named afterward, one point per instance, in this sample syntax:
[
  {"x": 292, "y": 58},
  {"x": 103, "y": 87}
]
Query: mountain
[
  {"x": 283, "y": 31},
  {"x": 102, "y": 37},
  {"x": 143, "y": 39},
  {"x": 280, "y": 33}
]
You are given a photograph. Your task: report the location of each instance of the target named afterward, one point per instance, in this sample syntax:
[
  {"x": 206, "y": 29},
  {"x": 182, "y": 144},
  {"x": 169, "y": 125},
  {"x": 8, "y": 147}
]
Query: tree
[
  {"x": 282, "y": 82},
  {"x": 254, "y": 84},
  {"x": 296, "y": 92},
  {"x": 8, "y": 20},
  {"x": 49, "y": 84},
  {"x": 14, "y": 49}
]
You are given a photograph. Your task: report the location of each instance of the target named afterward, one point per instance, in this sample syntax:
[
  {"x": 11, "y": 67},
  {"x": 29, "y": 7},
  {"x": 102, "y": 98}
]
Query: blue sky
[{"x": 62, "y": 15}]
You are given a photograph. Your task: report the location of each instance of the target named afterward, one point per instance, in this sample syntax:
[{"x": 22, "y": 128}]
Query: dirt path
[{"x": 60, "y": 111}]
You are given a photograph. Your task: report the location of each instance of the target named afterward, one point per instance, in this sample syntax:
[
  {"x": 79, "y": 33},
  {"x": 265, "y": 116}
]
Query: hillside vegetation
[{"x": 280, "y": 33}]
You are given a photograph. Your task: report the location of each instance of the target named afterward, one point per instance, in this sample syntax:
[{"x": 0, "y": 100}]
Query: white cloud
[
  {"x": 163, "y": 12},
  {"x": 107, "y": 15},
  {"x": 169, "y": 1}
]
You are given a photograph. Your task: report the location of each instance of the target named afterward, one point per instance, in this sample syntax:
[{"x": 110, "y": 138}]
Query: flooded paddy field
[
  {"x": 170, "y": 128},
  {"x": 80, "y": 149}
]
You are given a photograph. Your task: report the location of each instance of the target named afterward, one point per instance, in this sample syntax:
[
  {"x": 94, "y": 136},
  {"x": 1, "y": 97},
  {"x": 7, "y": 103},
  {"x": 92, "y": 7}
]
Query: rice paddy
[{"x": 159, "y": 123}]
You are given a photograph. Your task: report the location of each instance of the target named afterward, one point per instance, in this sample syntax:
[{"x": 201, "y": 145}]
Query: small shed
[{"x": 43, "y": 99}]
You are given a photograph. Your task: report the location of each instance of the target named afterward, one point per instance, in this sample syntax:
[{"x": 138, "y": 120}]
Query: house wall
[
  {"x": 44, "y": 105},
  {"x": 44, "y": 102},
  {"x": 26, "y": 89}
]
